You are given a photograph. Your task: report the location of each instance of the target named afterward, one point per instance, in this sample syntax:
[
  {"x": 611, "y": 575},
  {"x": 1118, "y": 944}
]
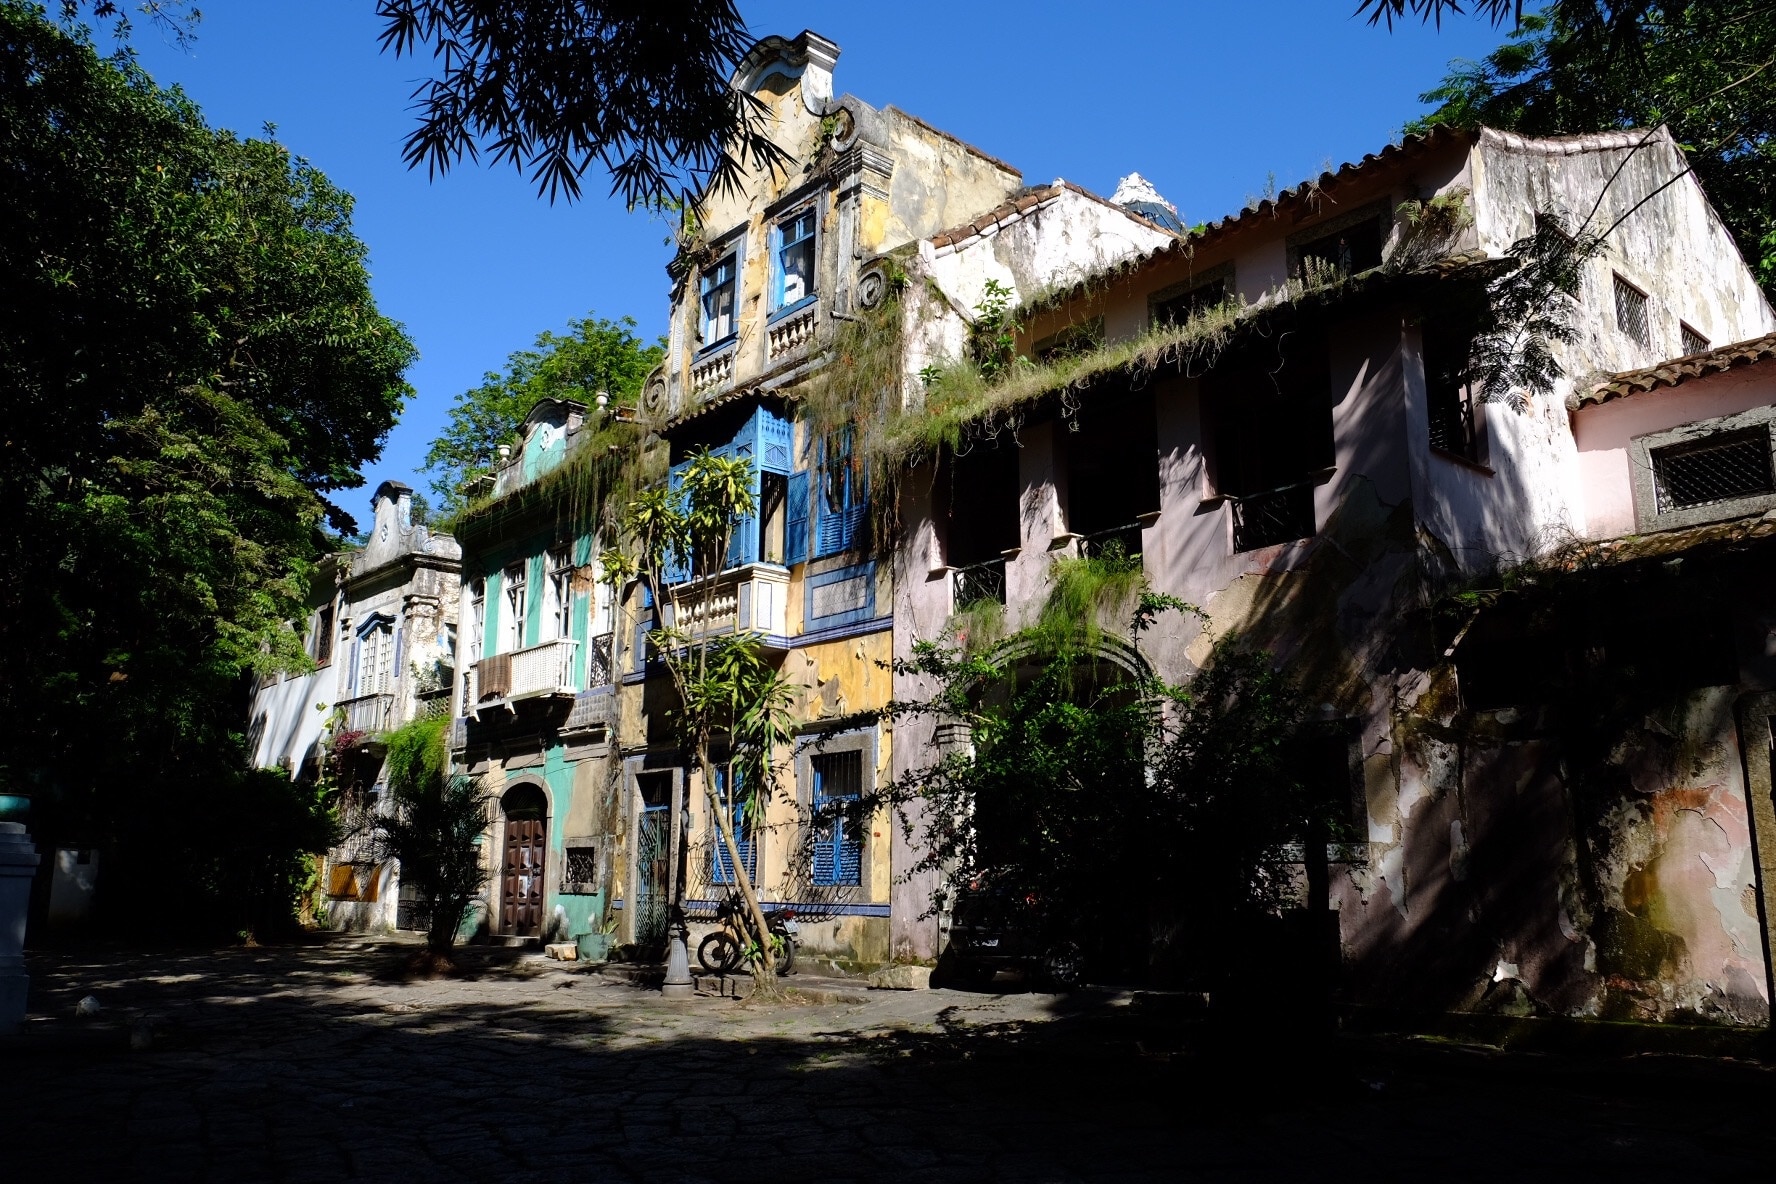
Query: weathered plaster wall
[{"x": 1603, "y": 431}]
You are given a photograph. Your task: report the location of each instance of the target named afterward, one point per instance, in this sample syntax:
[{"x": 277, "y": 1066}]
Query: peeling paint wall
[{"x": 1493, "y": 875}]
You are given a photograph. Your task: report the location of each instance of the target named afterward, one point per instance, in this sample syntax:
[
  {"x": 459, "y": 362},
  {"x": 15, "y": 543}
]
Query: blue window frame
[
  {"x": 792, "y": 256},
  {"x": 721, "y": 868},
  {"x": 719, "y": 321},
  {"x": 838, "y": 847},
  {"x": 840, "y": 496}
]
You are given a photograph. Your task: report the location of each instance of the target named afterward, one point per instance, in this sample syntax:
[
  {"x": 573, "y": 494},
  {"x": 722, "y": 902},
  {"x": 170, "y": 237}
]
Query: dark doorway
[
  {"x": 653, "y": 889},
  {"x": 521, "y": 880}
]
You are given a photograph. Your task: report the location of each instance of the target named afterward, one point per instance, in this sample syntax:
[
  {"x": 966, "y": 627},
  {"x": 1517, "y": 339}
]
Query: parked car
[{"x": 997, "y": 928}]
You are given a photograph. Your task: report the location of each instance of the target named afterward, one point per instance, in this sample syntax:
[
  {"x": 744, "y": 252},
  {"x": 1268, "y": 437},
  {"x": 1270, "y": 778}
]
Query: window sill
[
  {"x": 789, "y": 310},
  {"x": 1456, "y": 458}
]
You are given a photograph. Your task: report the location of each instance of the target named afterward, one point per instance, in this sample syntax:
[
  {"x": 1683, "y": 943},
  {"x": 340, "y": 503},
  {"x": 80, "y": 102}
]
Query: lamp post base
[{"x": 678, "y": 984}]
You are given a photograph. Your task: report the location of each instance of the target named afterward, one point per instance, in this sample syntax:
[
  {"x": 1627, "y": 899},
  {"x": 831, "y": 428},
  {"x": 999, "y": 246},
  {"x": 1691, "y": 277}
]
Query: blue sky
[{"x": 1206, "y": 98}]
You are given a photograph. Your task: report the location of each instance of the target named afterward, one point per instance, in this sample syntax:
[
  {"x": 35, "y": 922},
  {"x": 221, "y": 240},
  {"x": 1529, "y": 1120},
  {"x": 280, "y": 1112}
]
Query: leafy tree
[
  {"x": 727, "y": 691},
  {"x": 558, "y": 86},
  {"x": 595, "y": 354},
  {"x": 1702, "y": 68},
  {"x": 193, "y": 361},
  {"x": 433, "y": 828}
]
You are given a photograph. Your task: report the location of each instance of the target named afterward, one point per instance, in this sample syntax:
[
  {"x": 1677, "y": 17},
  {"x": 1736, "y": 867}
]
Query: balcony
[
  {"x": 538, "y": 672},
  {"x": 599, "y": 665},
  {"x": 978, "y": 581},
  {"x": 369, "y": 715},
  {"x": 789, "y": 334},
  {"x": 432, "y": 704},
  {"x": 750, "y": 599},
  {"x": 1122, "y": 542},
  {"x": 1275, "y": 516},
  {"x": 713, "y": 372}
]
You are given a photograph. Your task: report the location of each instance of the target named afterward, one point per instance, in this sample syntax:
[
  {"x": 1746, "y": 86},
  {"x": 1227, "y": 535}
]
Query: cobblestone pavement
[{"x": 318, "y": 1062}]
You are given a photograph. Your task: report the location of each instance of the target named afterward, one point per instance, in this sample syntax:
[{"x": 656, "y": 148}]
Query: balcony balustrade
[
  {"x": 750, "y": 599},
  {"x": 1099, "y": 544},
  {"x": 432, "y": 704},
  {"x": 713, "y": 372},
  {"x": 789, "y": 335},
  {"x": 370, "y": 715},
  {"x": 539, "y": 671}
]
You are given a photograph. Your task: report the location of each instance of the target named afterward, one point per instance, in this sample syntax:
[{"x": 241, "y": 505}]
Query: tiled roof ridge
[
  {"x": 1677, "y": 371},
  {"x": 1027, "y": 199},
  {"x": 1009, "y": 210},
  {"x": 1572, "y": 145}
]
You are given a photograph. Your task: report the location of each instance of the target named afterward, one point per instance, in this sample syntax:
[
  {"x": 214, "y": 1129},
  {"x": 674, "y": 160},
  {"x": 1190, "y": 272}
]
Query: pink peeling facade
[{"x": 1507, "y": 859}]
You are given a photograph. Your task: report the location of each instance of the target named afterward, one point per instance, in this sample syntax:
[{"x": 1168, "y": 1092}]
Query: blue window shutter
[
  {"x": 722, "y": 867},
  {"x": 795, "y": 520},
  {"x": 675, "y": 570},
  {"x": 836, "y": 526}
]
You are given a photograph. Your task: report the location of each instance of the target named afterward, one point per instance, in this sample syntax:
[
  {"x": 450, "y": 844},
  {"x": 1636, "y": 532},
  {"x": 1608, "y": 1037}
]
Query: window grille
[
  {"x": 1720, "y": 468},
  {"x": 580, "y": 876},
  {"x": 838, "y": 847},
  {"x": 1693, "y": 342},
  {"x": 795, "y": 260},
  {"x": 1275, "y": 516},
  {"x": 598, "y": 660},
  {"x": 1631, "y": 312},
  {"x": 718, "y": 302}
]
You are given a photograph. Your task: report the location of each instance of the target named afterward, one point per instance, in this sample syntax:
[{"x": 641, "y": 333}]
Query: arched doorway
[{"x": 526, "y": 811}]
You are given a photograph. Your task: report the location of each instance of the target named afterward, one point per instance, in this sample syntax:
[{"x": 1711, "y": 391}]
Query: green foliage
[
  {"x": 1083, "y": 592},
  {"x": 992, "y": 339},
  {"x": 1701, "y": 68},
  {"x": 193, "y": 360},
  {"x": 433, "y": 826},
  {"x": 594, "y": 355},
  {"x": 1098, "y": 796}
]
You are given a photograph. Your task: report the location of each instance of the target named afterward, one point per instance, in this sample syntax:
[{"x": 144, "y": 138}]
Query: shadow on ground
[{"x": 317, "y": 1062}]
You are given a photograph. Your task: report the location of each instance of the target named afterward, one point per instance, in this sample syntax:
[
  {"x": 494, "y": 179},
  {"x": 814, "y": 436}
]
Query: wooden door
[{"x": 521, "y": 887}]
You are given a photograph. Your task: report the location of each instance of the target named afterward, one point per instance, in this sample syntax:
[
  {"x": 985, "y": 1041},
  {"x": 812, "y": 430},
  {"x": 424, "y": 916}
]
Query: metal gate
[{"x": 652, "y": 897}]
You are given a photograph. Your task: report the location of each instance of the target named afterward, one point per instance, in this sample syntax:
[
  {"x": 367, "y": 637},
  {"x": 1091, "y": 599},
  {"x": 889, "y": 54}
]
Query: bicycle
[{"x": 722, "y": 951}]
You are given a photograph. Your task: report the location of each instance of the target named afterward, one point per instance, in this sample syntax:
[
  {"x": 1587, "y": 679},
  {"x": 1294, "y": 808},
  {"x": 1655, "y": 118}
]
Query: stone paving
[{"x": 319, "y": 1062}]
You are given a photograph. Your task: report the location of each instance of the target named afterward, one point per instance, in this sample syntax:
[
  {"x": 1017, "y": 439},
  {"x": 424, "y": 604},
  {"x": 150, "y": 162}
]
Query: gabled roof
[
  {"x": 1022, "y": 203},
  {"x": 1679, "y": 370}
]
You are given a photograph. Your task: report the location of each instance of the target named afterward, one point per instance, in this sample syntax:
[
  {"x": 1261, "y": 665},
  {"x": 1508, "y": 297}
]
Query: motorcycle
[{"x": 723, "y": 951}]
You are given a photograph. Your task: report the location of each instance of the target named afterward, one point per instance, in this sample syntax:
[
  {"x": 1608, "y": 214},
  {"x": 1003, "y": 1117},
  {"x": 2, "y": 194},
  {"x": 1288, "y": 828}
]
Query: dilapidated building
[
  {"x": 382, "y": 637},
  {"x": 1540, "y": 663}
]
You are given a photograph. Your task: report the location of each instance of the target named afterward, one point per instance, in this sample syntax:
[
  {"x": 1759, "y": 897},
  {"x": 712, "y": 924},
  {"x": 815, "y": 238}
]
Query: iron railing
[
  {"x": 599, "y": 665},
  {"x": 979, "y": 581},
  {"x": 1275, "y": 516},
  {"x": 1118, "y": 540}
]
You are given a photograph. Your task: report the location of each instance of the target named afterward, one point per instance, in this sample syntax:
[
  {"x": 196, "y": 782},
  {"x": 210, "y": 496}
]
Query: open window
[
  {"x": 792, "y": 255},
  {"x": 1269, "y": 429},
  {"x": 1112, "y": 451},
  {"x": 517, "y": 604},
  {"x": 1448, "y": 347},
  {"x": 560, "y": 608},
  {"x": 1181, "y": 302},
  {"x": 323, "y": 636},
  {"x": 840, "y": 494},
  {"x": 1344, "y": 246},
  {"x": 977, "y": 509},
  {"x": 718, "y": 291}
]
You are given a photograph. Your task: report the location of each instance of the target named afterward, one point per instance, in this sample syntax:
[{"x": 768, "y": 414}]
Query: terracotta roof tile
[{"x": 1679, "y": 370}]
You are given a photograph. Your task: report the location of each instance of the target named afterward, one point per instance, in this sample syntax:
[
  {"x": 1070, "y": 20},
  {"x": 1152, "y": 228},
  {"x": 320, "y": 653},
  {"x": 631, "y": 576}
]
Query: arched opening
[{"x": 525, "y": 809}]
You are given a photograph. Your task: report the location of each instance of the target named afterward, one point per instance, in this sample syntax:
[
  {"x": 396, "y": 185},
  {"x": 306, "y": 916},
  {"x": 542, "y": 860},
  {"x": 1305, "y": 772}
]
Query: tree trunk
[{"x": 765, "y": 970}]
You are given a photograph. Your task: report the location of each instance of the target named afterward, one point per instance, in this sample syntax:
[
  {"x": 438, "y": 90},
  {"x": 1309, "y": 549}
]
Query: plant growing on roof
[
  {"x": 992, "y": 339},
  {"x": 726, "y": 689}
]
